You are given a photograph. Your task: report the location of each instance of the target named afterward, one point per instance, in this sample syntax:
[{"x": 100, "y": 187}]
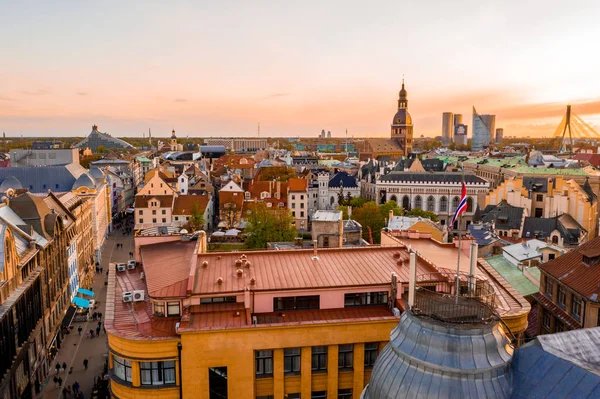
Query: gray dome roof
[
  {"x": 10, "y": 182},
  {"x": 84, "y": 180},
  {"x": 96, "y": 173},
  {"x": 402, "y": 117},
  {"x": 430, "y": 359}
]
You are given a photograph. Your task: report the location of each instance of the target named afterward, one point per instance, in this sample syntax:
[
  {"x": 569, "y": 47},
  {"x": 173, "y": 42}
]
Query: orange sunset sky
[{"x": 218, "y": 68}]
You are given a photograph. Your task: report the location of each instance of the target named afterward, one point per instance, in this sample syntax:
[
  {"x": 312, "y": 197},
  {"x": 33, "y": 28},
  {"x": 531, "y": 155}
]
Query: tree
[
  {"x": 417, "y": 212},
  {"x": 196, "y": 221},
  {"x": 357, "y": 202},
  {"x": 385, "y": 209},
  {"x": 268, "y": 225}
]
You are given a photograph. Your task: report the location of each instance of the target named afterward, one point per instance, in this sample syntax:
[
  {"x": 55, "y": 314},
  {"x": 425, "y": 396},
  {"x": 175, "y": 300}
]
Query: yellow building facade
[{"x": 550, "y": 197}]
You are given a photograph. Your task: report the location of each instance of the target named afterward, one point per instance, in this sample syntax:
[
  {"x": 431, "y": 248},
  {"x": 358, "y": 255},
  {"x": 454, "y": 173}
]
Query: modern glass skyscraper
[{"x": 484, "y": 127}]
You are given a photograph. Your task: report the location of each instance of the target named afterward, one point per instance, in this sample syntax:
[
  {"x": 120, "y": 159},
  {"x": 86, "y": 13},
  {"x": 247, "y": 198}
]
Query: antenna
[{"x": 259, "y": 129}]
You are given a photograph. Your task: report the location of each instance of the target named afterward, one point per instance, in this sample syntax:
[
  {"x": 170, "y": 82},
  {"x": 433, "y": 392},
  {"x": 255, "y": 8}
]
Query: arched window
[
  {"x": 418, "y": 202},
  {"x": 455, "y": 202},
  {"x": 406, "y": 202},
  {"x": 444, "y": 204},
  {"x": 393, "y": 198},
  {"x": 469, "y": 204},
  {"x": 555, "y": 240},
  {"x": 431, "y": 203},
  {"x": 332, "y": 200}
]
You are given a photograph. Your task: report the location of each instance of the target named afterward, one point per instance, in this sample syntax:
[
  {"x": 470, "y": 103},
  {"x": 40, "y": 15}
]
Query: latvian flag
[{"x": 462, "y": 206}]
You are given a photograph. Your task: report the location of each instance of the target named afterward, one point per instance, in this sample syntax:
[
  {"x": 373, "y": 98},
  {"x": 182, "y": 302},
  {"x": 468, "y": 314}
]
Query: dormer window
[{"x": 247, "y": 194}]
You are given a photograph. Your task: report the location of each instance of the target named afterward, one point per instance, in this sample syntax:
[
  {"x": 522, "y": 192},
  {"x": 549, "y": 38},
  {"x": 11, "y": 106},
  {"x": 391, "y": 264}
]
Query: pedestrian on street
[
  {"x": 75, "y": 387},
  {"x": 107, "y": 274},
  {"x": 55, "y": 379},
  {"x": 57, "y": 367},
  {"x": 59, "y": 382},
  {"x": 80, "y": 395},
  {"x": 97, "y": 331},
  {"x": 91, "y": 333},
  {"x": 97, "y": 270},
  {"x": 79, "y": 330},
  {"x": 68, "y": 390},
  {"x": 99, "y": 316},
  {"x": 85, "y": 363},
  {"x": 99, "y": 324},
  {"x": 64, "y": 366},
  {"x": 101, "y": 270}
]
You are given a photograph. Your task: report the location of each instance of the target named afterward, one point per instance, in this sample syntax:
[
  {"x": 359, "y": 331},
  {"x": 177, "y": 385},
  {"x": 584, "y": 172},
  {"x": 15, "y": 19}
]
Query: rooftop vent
[
  {"x": 248, "y": 264},
  {"x": 205, "y": 263},
  {"x": 238, "y": 262},
  {"x": 220, "y": 280},
  {"x": 239, "y": 272},
  {"x": 253, "y": 281}
]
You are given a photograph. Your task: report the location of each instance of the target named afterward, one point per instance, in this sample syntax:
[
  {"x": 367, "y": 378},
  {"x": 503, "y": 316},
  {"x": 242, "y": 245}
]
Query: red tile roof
[
  {"x": 593, "y": 159},
  {"x": 296, "y": 269},
  {"x": 172, "y": 281},
  {"x": 133, "y": 320},
  {"x": 184, "y": 203},
  {"x": 571, "y": 271},
  {"x": 141, "y": 201},
  {"x": 297, "y": 185},
  {"x": 227, "y": 197}
]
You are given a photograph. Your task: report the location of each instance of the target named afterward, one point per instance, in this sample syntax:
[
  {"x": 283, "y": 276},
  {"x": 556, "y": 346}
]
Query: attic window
[{"x": 591, "y": 260}]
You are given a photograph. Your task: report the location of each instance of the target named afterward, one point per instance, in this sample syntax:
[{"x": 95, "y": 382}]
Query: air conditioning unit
[
  {"x": 127, "y": 297},
  {"x": 121, "y": 267},
  {"x": 138, "y": 295},
  {"x": 131, "y": 265}
]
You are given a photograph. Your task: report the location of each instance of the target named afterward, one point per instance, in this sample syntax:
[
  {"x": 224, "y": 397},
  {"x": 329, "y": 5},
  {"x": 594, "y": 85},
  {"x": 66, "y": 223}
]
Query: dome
[
  {"x": 10, "y": 182},
  {"x": 426, "y": 358},
  {"x": 96, "y": 173},
  {"x": 84, "y": 180},
  {"x": 402, "y": 117}
]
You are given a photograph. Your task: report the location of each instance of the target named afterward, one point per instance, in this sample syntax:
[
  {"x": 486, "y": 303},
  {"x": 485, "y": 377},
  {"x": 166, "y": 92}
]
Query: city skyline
[{"x": 208, "y": 70}]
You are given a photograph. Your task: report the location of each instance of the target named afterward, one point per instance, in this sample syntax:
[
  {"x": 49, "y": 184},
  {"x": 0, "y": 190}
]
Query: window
[
  {"x": 431, "y": 203},
  {"x": 455, "y": 202},
  {"x": 575, "y": 307},
  {"x": 157, "y": 373},
  {"x": 264, "y": 363},
  {"x": 546, "y": 321},
  {"x": 345, "y": 393},
  {"x": 164, "y": 211},
  {"x": 122, "y": 368},
  {"x": 551, "y": 256},
  {"x": 365, "y": 298},
  {"x": 293, "y": 214},
  {"x": 371, "y": 352},
  {"x": 154, "y": 211},
  {"x": 293, "y": 197},
  {"x": 291, "y": 361},
  {"x": 141, "y": 220},
  {"x": 293, "y": 396},
  {"x": 346, "y": 356},
  {"x": 141, "y": 212},
  {"x": 293, "y": 205},
  {"x": 444, "y": 204},
  {"x": 159, "y": 308},
  {"x": 561, "y": 297},
  {"x": 302, "y": 205},
  {"x": 318, "y": 395},
  {"x": 296, "y": 302},
  {"x": 301, "y": 214},
  {"x": 173, "y": 308},
  {"x": 469, "y": 204},
  {"x": 539, "y": 197},
  {"x": 560, "y": 327},
  {"x": 302, "y": 197},
  {"x": 217, "y": 299},
  {"x": 319, "y": 358},
  {"x": 153, "y": 220},
  {"x": 176, "y": 218},
  {"x": 539, "y": 212},
  {"x": 548, "y": 286},
  {"x": 418, "y": 202},
  {"x": 164, "y": 220}
]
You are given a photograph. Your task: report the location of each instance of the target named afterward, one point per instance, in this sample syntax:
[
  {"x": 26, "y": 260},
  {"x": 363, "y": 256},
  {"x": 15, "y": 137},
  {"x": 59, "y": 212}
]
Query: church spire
[{"x": 403, "y": 97}]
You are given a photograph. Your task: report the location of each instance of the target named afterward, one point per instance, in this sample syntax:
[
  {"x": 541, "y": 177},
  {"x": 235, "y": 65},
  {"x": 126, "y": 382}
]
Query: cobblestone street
[{"x": 75, "y": 348}]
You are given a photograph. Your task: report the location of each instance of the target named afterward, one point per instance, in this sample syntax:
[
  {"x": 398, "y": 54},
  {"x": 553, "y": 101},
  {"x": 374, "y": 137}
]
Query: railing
[{"x": 436, "y": 297}]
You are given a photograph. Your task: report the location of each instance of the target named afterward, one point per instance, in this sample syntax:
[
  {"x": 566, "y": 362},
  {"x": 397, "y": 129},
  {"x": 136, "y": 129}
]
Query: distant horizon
[{"x": 209, "y": 69}]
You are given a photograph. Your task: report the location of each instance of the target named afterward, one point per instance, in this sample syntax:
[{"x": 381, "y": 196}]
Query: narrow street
[{"x": 76, "y": 348}]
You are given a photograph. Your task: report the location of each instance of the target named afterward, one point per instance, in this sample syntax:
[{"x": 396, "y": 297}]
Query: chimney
[
  {"x": 202, "y": 241},
  {"x": 391, "y": 216},
  {"x": 394, "y": 295},
  {"x": 341, "y": 232},
  {"x": 315, "y": 252},
  {"x": 473, "y": 265},
  {"x": 412, "y": 280}
]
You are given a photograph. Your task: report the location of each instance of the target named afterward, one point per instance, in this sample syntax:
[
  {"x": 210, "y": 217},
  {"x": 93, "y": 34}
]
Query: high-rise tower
[
  {"x": 447, "y": 128},
  {"x": 484, "y": 128},
  {"x": 402, "y": 127}
]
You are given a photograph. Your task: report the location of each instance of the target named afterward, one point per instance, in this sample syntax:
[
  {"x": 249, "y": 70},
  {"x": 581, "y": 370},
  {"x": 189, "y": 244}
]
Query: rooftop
[{"x": 513, "y": 275}]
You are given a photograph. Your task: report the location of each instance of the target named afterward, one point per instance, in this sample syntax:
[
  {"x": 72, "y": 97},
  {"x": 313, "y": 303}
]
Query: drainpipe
[{"x": 180, "y": 375}]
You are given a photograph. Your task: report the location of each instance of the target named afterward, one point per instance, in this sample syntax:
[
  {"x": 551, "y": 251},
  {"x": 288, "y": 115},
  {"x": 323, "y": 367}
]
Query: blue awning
[
  {"x": 85, "y": 292},
  {"x": 80, "y": 302}
]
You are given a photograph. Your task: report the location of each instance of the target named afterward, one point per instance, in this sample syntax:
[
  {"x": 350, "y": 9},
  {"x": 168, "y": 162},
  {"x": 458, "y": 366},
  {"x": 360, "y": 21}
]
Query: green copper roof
[{"x": 513, "y": 275}]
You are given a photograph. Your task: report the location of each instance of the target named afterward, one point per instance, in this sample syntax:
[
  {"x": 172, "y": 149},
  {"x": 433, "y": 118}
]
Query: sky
[{"x": 219, "y": 68}]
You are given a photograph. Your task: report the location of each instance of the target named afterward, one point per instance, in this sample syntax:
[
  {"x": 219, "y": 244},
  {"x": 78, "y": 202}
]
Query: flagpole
[{"x": 456, "y": 288}]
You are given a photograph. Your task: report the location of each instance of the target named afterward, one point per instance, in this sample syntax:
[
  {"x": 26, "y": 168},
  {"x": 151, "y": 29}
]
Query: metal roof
[
  {"x": 327, "y": 216},
  {"x": 42, "y": 179},
  {"x": 513, "y": 275},
  {"x": 433, "y": 177}
]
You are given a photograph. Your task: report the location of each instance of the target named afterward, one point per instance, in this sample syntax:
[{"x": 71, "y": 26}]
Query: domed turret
[
  {"x": 10, "y": 182},
  {"x": 84, "y": 180},
  {"x": 97, "y": 174}
]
